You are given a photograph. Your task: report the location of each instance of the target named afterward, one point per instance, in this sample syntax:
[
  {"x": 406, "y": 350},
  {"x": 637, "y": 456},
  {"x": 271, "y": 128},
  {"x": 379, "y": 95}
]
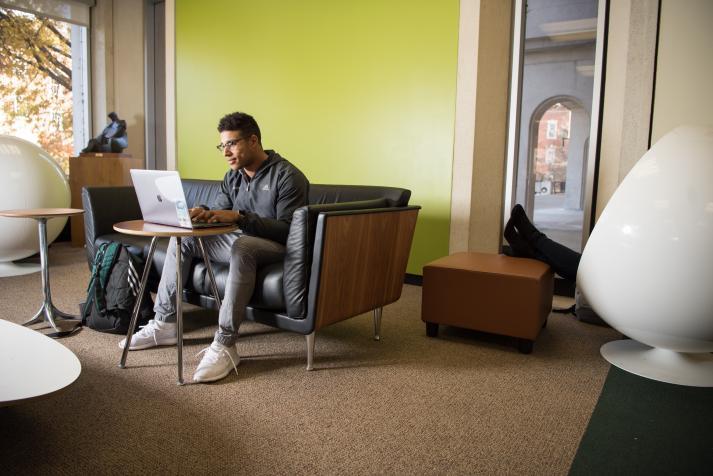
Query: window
[
  {"x": 552, "y": 129},
  {"x": 550, "y": 158},
  {"x": 552, "y": 102},
  {"x": 44, "y": 80}
]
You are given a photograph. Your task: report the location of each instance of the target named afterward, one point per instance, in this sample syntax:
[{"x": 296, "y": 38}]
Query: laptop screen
[{"x": 161, "y": 197}]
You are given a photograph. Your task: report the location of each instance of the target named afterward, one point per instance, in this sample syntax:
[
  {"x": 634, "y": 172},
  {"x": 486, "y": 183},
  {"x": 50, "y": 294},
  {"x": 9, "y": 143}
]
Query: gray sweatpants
[{"x": 244, "y": 253}]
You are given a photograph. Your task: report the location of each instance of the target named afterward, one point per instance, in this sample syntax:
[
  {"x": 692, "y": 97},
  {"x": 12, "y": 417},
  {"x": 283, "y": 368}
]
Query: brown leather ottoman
[{"x": 487, "y": 292}]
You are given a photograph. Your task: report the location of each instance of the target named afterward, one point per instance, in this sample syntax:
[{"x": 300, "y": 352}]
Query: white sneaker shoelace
[
  {"x": 212, "y": 356},
  {"x": 148, "y": 330}
]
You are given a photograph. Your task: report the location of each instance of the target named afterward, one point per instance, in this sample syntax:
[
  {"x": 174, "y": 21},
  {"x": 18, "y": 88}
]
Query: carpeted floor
[{"x": 461, "y": 404}]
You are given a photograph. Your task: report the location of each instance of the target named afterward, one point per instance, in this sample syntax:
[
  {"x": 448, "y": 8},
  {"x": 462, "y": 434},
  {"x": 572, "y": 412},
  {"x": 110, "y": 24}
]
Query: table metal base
[
  {"x": 179, "y": 300},
  {"x": 62, "y": 323}
]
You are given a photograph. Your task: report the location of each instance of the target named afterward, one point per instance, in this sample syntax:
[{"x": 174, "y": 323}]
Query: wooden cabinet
[{"x": 96, "y": 170}]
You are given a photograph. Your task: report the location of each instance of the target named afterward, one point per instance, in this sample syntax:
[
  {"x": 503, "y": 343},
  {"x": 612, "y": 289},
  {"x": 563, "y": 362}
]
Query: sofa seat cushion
[
  {"x": 268, "y": 292},
  {"x": 268, "y": 295}
]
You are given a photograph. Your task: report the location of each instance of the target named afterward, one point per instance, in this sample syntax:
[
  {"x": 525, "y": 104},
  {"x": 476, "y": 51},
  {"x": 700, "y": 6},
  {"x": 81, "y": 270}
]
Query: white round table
[{"x": 32, "y": 365}]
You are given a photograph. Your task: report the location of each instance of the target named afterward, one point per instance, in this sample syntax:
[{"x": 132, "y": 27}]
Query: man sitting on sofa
[{"x": 260, "y": 192}]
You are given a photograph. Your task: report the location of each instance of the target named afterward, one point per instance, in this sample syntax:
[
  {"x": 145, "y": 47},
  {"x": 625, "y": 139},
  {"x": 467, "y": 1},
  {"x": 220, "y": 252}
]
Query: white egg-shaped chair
[
  {"x": 647, "y": 268},
  {"x": 29, "y": 178}
]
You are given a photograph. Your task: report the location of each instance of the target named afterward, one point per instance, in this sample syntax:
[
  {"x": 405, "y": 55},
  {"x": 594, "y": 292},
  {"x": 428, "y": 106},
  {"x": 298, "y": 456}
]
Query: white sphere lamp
[
  {"x": 29, "y": 178},
  {"x": 647, "y": 268}
]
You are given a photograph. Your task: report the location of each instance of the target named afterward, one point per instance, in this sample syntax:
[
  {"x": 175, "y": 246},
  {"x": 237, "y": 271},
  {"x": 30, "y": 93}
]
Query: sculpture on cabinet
[{"x": 112, "y": 139}]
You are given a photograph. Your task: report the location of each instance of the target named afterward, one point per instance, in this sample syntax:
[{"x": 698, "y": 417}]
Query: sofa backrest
[
  {"x": 203, "y": 192},
  {"x": 200, "y": 192},
  {"x": 320, "y": 193}
]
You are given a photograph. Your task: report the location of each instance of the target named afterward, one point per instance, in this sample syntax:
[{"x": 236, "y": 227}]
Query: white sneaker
[
  {"x": 153, "y": 334},
  {"x": 217, "y": 363}
]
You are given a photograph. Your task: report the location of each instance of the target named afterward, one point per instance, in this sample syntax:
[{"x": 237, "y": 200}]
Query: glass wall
[
  {"x": 43, "y": 82},
  {"x": 554, "y": 68}
]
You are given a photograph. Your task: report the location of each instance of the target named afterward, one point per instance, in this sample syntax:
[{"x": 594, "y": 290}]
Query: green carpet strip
[{"x": 641, "y": 426}]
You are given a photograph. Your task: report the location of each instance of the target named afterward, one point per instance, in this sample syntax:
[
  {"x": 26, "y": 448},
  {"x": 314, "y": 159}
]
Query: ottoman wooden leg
[
  {"x": 431, "y": 329},
  {"x": 524, "y": 346}
]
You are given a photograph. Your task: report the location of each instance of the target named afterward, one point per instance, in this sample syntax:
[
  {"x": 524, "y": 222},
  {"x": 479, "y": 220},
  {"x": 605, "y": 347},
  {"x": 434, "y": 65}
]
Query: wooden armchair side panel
[{"x": 363, "y": 262}]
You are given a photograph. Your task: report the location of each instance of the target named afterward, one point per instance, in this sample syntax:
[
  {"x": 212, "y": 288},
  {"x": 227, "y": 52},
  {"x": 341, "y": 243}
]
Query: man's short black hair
[{"x": 239, "y": 121}]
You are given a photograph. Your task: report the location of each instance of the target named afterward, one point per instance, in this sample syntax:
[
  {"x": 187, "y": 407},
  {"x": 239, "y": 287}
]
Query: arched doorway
[{"x": 559, "y": 130}]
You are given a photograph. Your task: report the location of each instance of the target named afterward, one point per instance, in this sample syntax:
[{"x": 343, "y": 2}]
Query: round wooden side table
[
  {"x": 62, "y": 322},
  {"x": 142, "y": 228}
]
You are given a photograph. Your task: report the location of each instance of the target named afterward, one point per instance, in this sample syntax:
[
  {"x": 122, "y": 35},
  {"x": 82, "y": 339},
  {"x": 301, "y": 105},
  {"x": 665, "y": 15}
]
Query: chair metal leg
[
  {"x": 377, "y": 323},
  {"x": 137, "y": 304},
  {"x": 310, "y": 350}
]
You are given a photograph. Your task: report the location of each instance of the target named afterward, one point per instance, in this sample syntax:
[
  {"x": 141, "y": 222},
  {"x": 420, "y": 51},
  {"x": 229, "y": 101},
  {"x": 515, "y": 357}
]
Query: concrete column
[
  {"x": 117, "y": 51},
  {"x": 684, "y": 66},
  {"x": 628, "y": 92},
  {"x": 102, "y": 64},
  {"x": 129, "y": 75},
  {"x": 480, "y": 145}
]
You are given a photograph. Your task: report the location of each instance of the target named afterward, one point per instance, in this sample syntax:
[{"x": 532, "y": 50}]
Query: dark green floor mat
[{"x": 641, "y": 426}]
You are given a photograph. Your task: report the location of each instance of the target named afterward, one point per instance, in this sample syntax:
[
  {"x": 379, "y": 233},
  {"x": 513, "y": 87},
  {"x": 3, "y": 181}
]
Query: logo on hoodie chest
[{"x": 265, "y": 188}]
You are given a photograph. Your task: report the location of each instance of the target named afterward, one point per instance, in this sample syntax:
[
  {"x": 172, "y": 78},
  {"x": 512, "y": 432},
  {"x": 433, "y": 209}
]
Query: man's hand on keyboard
[{"x": 214, "y": 216}]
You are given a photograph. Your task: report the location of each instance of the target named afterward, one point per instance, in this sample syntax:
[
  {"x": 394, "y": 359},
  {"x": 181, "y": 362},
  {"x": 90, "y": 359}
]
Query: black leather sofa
[{"x": 346, "y": 254}]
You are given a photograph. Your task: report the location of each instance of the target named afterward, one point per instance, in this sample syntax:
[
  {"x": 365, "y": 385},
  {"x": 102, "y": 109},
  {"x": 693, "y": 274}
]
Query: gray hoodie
[{"x": 267, "y": 201}]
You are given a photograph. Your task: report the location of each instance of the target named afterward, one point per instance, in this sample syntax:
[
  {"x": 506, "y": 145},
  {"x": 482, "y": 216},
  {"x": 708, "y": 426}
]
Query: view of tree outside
[{"x": 36, "y": 82}]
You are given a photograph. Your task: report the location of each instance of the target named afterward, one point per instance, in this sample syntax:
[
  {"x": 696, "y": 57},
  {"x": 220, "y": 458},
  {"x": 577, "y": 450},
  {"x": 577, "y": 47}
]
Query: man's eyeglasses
[{"x": 229, "y": 144}]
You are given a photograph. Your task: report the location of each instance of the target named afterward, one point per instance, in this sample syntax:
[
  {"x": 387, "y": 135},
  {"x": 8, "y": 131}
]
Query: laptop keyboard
[{"x": 201, "y": 224}]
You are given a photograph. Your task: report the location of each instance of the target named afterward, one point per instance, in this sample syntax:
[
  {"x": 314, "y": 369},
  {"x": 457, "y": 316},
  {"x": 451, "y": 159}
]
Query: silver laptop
[{"x": 161, "y": 198}]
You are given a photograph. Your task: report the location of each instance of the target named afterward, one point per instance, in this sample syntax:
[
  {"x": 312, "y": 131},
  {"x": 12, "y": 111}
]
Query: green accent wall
[{"x": 352, "y": 92}]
